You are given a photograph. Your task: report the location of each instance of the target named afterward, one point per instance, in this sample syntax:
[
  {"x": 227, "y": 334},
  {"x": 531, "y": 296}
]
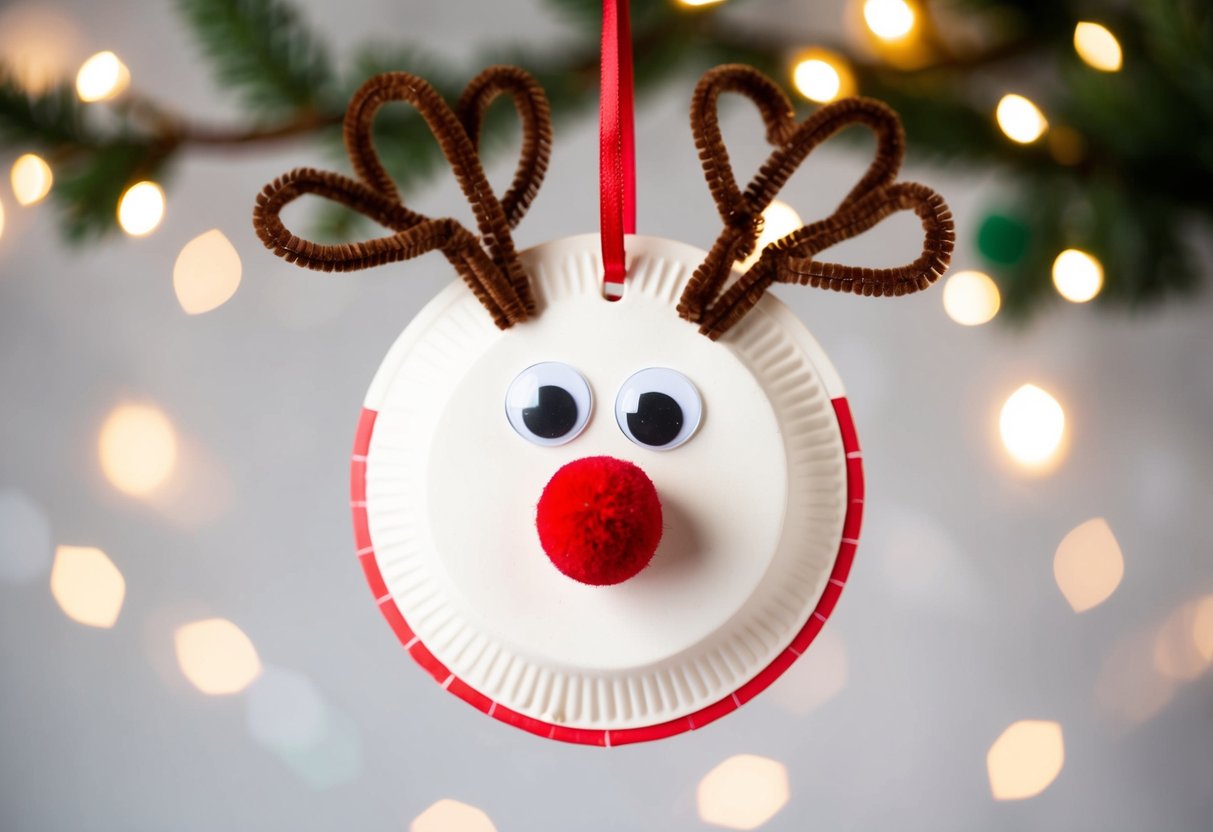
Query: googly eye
[
  {"x": 658, "y": 408},
  {"x": 548, "y": 403}
]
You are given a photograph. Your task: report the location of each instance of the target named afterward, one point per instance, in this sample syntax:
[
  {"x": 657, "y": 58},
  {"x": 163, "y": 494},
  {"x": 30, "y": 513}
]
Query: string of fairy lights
[
  {"x": 208, "y": 270},
  {"x": 820, "y": 75},
  {"x": 971, "y": 298},
  {"x": 1031, "y": 421}
]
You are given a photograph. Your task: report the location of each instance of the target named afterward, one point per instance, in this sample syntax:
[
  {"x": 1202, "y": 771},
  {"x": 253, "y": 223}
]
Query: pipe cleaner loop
[
  {"x": 705, "y": 300},
  {"x": 488, "y": 263}
]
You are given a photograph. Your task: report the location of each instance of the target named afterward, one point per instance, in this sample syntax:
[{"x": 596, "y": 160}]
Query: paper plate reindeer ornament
[{"x": 608, "y": 521}]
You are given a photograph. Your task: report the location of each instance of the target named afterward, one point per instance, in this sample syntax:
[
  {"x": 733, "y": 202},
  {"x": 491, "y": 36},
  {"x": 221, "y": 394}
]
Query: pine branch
[
  {"x": 88, "y": 190},
  {"x": 263, "y": 51},
  {"x": 43, "y": 120},
  {"x": 1146, "y": 133}
]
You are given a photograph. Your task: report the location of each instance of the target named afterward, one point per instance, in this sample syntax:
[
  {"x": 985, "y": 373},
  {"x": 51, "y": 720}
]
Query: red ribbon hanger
[{"x": 616, "y": 143}]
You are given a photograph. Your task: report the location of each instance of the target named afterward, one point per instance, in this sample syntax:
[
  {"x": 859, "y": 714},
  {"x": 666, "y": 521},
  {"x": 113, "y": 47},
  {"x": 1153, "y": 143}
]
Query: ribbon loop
[{"x": 616, "y": 144}]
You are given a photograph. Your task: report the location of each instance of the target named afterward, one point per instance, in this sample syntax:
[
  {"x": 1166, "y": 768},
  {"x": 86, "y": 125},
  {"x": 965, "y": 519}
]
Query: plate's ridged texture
[{"x": 473, "y": 598}]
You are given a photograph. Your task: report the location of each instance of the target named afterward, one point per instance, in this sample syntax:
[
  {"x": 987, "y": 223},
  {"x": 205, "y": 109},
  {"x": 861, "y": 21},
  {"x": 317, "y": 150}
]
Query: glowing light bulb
[
  {"x": 207, "y": 272},
  {"x": 138, "y": 449},
  {"x": 1020, "y": 119},
  {"x": 216, "y": 656},
  {"x": 1032, "y": 425},
  {"x": 1088, "y": 565},
  {"x": 698, "y": 4},
  {"x": 141, "y": 208},
  {"x": 87, "y": 586},
  {"x": 822, "y": 76},
  {"x": 971, "y": 298},
  {"x": 1077, "y": 275},
  {"x": 778, "y": 221},
  {"x": 102, "y": 77},
  {"x": 1025, "y": 759},
  {"x": 889, "y": 19},
  {"x": 452, "y": 816},
  {"x": 817, "y": 80},
  {"x": 32, "y": 179},
  {"x": 743, "y": 792},
  {"x": 1098, "y": 47}
]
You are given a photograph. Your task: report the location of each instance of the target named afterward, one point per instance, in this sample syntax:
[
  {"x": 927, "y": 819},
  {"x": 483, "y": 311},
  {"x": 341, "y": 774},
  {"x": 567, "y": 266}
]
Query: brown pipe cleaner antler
[
  {"x": 790, "y": 259},
  {"x": 489, "y": 264}
]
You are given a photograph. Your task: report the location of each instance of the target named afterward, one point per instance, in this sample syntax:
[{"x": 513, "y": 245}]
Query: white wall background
[{"x": 951, "y": 629}]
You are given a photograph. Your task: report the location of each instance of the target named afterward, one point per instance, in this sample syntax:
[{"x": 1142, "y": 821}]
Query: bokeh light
[
  {"x": 1128, "y": 688},
  {"x": 923, "y": 565},
  {"x": 1077, "y": 275},
  {"x": 1032, "y": 425},
  {"x": 1025, "y": 759},
  {"x": 815, "y": 678},
  {"x": 743, "y": 792},
  {"x": 822, "y": 76},
  {"x": 889, "y": 19},
  {"x": 284, "y": 710},
  {"x": 216, "y": 656},
  {"x": 1066, "y": 145},
  {"x": 1088, "y": 564},
  {"x": 1020, "y": 119},
  {"x": 87, "y": 586},
  {"x": 31, "y": 178},
  {"x": 1181, "y": 643},
  {"x": 698, "y": 4},
  {"x": 141, "y": 208},
  {"x": 452, "y": 816},
  {"x": 1097, "y": 46},
  {"x": 1003, "y": 238},
  {"x": 1202, "y": 627},
  {"x": 25, "y": 539},
  {"x": 138, "y": 448},
  {"x": 971, "y": 298},
  {"x": 38, "y": 43},
  {"x": 200, "y": 490},
  {"x": 288, "y": 716},
  {"x": 778, "y": 221},
  {"x": 207, "y": 272},
  {"x": 333, "y": 760},
  {"x": 102, "y": 77}
]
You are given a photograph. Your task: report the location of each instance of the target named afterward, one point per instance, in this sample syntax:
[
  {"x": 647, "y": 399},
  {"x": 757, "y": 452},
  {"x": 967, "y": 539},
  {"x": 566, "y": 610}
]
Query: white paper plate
[{"x": 761, "y": 507}]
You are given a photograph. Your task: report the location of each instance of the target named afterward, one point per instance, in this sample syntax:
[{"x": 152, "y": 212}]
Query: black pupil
[
  {"x": 657, "y": 420},
  {"x": 554, "y": 415}
]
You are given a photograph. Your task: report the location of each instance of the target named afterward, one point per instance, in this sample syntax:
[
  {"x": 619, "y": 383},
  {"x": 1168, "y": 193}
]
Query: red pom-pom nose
[{"x": 599, "y": 520}]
